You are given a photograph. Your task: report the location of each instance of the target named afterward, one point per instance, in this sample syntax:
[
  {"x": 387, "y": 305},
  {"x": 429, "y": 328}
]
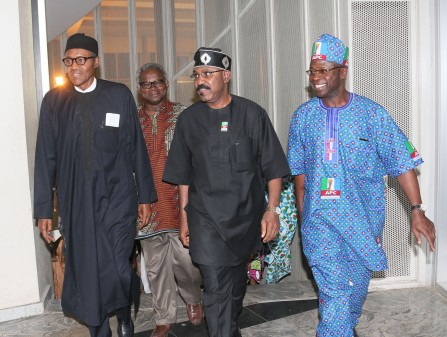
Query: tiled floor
[{"x": 284, "y": 309}]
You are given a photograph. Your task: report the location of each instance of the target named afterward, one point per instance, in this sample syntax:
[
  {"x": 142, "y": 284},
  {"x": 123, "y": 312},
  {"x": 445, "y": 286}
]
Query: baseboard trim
[
  {"x": 29, "y": 309},
  {"x": 441, "y": 288}
]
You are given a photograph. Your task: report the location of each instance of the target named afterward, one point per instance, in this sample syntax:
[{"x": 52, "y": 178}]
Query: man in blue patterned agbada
[{"x": 341, "y": 145}]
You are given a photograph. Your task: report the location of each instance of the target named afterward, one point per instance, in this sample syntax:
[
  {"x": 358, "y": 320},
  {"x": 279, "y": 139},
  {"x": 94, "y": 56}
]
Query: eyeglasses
[
  {"x": 147, "y": 85},
  {"x": 320, "y": 71},
  {"x": 80, "y": 60},
  {"x": 205, "y": 74}
]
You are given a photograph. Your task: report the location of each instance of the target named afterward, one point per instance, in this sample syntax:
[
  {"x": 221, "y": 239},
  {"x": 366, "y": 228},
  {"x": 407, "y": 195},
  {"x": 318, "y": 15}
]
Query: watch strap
[{"x": 419, "y": 207}]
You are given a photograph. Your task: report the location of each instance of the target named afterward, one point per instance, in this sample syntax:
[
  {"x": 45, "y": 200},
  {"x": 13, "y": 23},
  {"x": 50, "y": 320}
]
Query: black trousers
[
  {"x": 104, "y": 329},
  {"x": 224, "y": 291}
]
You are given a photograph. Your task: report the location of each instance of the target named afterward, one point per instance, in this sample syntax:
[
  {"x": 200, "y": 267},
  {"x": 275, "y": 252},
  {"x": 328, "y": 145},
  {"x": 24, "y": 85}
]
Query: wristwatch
[
  {"x": 276, "y": 209},
  {"x": 419, "y": 207}
]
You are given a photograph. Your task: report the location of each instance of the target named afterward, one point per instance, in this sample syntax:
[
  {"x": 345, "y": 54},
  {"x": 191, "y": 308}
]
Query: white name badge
[{"x": 112, "y": 119}]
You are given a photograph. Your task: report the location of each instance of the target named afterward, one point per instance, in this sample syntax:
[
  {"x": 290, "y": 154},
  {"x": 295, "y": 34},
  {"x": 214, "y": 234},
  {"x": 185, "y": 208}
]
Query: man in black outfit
[
  {"x": 90, "y": 146},
  {"x": 223, "y": 152}
]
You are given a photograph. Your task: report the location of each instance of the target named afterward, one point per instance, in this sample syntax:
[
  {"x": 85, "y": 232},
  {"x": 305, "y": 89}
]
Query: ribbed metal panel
[
  {"x": 252, "y": 46},
  {"x": 216, "y": 19},
  {"x": 320, "y": 18},
  {"x": 385, "y": 77}
]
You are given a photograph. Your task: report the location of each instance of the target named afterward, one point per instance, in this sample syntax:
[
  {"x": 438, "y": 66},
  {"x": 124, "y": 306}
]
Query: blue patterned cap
[{"x": 329, "y": 48}]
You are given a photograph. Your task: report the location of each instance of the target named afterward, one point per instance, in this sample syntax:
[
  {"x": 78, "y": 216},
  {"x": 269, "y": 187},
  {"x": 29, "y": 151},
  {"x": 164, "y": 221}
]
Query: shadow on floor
[{"x": 251, "y": 315}]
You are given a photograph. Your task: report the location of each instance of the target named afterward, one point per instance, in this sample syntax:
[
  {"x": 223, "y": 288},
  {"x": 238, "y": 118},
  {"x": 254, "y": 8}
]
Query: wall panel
[
  {"x": 381, "y": 58},
  {"x": 254, "y": 79}
]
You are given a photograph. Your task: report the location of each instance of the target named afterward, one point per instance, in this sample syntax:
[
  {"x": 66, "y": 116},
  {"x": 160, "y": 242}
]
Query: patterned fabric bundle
[{"x": 278, "y": 259}]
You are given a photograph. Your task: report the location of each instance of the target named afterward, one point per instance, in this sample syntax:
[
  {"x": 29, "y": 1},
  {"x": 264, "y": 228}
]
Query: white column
[
  {"x": 441, "y": 209},
  {"x": 25, "y": 261}
]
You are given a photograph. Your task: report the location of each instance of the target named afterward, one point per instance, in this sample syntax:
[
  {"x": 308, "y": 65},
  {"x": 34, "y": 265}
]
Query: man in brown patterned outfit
[{"x": 167, "y": 262}]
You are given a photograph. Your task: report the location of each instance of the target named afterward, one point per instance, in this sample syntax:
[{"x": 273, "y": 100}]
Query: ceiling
[{"x": 62, "y": 14}]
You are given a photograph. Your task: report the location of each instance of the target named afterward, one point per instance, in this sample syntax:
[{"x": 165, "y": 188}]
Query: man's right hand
[
  {"x": 184, "y": 233},
  {"x": 45, "y": 227},
  {"x": 183, "y": 217}
]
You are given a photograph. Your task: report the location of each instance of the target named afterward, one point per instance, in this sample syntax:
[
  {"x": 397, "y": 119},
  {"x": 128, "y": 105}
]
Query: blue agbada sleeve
[
  {"x": 396, "y": 152},
  {"x": 295, "y": 148}
]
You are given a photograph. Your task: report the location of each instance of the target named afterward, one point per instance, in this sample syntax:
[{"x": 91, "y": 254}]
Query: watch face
[{"x": 277, "y": 210}]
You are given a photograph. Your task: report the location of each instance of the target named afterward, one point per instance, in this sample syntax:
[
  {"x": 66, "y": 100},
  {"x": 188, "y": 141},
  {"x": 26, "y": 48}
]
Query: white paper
[{"x": 112, "y": 119}]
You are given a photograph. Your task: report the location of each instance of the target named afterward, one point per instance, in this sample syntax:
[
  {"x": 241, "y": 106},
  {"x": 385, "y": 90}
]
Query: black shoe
[
  {"x": 237, "y": 333},
  {"x": 125, "y": 329}
]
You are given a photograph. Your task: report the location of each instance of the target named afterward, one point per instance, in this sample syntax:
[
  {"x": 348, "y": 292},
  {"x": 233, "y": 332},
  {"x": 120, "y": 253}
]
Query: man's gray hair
[{"x": 151, "y": 66}]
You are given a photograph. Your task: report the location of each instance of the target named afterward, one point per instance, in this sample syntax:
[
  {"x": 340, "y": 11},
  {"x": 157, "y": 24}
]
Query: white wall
[
  {"x": 20, "y": 292},
  {"x": 441, "y": 209},
  {"x": 425, "y": 117}
]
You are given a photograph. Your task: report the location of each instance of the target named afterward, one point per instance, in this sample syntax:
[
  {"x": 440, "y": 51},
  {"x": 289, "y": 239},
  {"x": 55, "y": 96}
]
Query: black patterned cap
[
  {"x": 82, "y": 41},
  {"x": 212, "y": 57}
]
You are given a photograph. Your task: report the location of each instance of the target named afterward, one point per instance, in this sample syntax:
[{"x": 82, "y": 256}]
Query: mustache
[{"x": 202, "y": 86}]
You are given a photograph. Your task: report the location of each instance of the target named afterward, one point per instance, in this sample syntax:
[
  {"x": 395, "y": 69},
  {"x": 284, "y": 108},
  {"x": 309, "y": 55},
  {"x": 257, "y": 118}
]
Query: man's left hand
[
  {"x": 269, "y": 226},
  {"x": 420, "y": 224},
  {"x": 144, "y": 214}
]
